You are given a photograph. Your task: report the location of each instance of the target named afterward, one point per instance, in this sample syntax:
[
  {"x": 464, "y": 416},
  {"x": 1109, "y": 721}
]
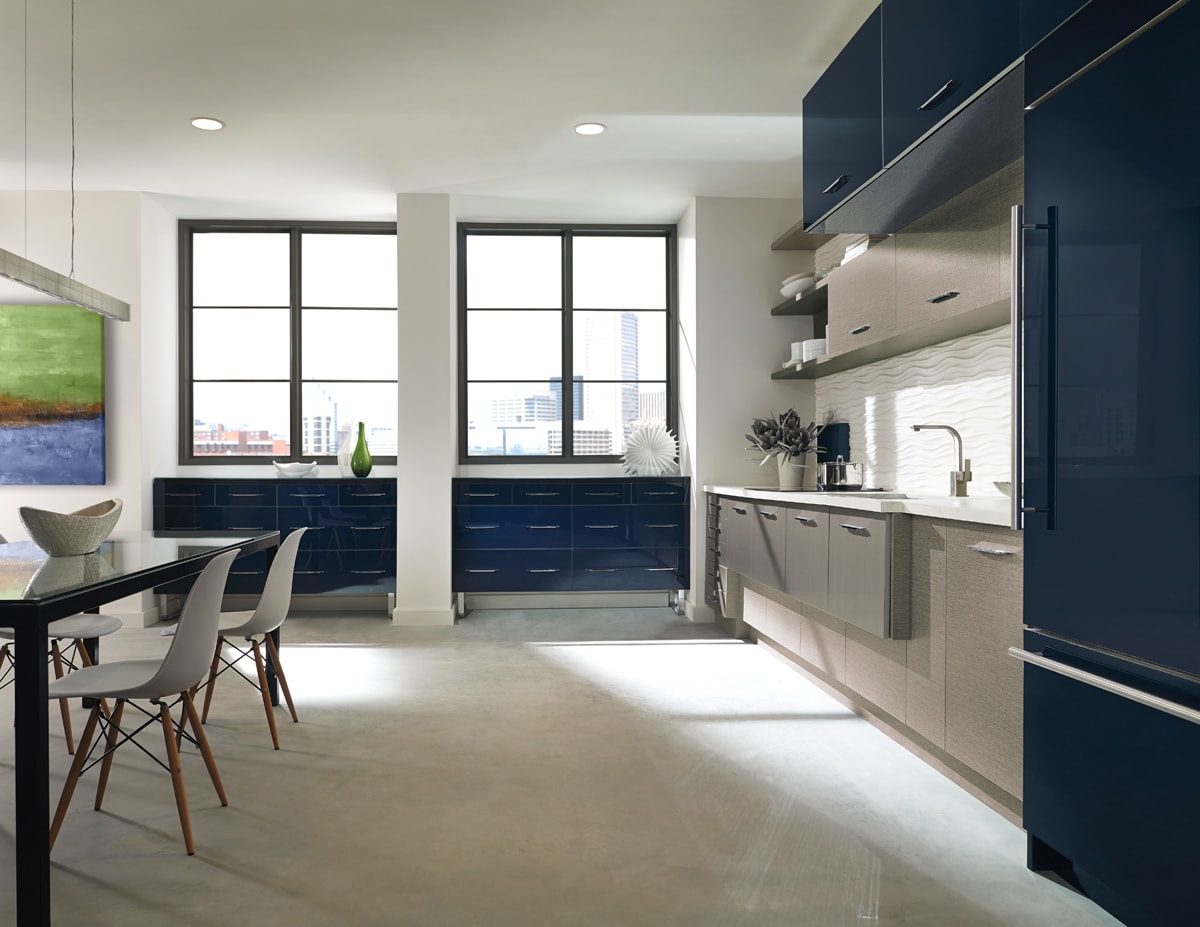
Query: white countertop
[{"x": 985, "y": 510}]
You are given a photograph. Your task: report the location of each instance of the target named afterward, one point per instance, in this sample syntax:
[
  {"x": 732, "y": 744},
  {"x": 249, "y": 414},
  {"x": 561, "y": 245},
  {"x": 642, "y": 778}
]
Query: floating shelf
[
  {"x": 796, "y": 239},
  {"x": 965, "y": 323},
  {"x": 814, "y": 301}
]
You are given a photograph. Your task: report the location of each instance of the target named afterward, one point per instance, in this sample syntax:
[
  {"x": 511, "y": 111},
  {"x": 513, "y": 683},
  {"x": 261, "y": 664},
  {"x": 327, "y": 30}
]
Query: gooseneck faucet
[{"x": 960, "y": 477}]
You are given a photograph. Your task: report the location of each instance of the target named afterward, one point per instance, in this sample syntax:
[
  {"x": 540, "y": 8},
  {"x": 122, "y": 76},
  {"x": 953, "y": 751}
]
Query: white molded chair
[
  {"x": 173, "y": 677},
  {"x": 255, "y": 628},
  {"x": 75, "y": 629}
]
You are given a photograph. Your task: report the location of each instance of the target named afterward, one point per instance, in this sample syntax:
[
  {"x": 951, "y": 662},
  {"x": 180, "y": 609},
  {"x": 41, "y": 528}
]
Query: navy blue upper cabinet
[
  {"x": 936, "y": 53},
  {"x": 1041, "y": 17},
  {"x": 842, "y": 118}
]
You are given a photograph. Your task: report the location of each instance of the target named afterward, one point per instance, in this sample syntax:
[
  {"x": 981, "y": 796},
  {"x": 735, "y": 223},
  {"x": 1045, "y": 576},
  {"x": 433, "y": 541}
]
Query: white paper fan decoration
[{"x": 650, "y": 450}]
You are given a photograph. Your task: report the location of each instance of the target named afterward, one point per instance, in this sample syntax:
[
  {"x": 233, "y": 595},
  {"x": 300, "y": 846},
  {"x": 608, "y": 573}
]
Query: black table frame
[{"x": 28, "y": 618}]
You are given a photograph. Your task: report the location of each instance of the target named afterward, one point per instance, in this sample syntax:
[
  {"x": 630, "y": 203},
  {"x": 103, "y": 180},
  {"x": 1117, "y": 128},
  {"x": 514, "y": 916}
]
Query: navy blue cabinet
[
  {"x": 1112, "y": 458},
  {"x": 936, "y": 53},
  {"x": 350, "y": 547},
  {"x": 843, "y": 124},
  {"x": 580, "y": 535},
  {"x": 1041, "y": 17}
]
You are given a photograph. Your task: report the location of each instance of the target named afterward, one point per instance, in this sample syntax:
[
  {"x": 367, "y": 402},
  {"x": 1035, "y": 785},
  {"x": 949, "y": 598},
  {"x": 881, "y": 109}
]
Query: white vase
[
  {"x": 808, "y": 481},
  {"x": 346, "y": 453},
  {"x": 790, "y": 472}
]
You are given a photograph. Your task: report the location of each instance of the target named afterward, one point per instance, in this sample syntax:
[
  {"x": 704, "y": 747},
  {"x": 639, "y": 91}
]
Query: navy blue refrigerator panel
[{"x": 1112, "y": 349}]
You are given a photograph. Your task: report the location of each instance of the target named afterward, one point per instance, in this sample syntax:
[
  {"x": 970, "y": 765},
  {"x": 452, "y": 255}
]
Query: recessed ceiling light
[
  {"x": 590, "y": 128},
  {"x": 208, "y": 123}
]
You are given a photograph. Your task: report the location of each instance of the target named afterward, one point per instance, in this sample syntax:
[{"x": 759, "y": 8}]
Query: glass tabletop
[{"x": 28, "y": 573}]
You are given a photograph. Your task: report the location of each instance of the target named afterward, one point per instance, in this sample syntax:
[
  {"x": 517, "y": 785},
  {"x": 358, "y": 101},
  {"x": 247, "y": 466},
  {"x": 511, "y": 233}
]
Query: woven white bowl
[{"x": 74, "y": 533}]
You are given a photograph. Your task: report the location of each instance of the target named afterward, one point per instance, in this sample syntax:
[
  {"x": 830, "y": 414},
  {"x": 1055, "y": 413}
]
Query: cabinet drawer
[
  {"x": 601, "y": 526},
  {"x": 859, "y": 570},
  {"x": 734, "y": 540},
  {"x": 373, "y": 493},
  {"x": 512, "y": 570},
  {"x": 175, "y": 492},
  {"x": 307, "y": 494},
  {"x": 806, "y": 558},
  {"x": 658, "y": 493},
  {"x": 550, "y": 493},
  {"x": 768, "y": 536},
  {"x": 331, "y": 528},
  {"x": 630, "y": 569},
  {"x": 467, "y": 493},
  {"x": 252, "y": 494},
  {"x": 247, "y": 575},
  {"x": 659, "y": 525},
  {"x": 346, "y": 571},
  {"x": 511, "y": 526},
  {"x": 238, "y": 518},
  {"x": 596, "y": 493}
]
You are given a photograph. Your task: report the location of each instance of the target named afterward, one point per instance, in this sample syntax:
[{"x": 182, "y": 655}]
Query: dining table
[{"x": 36, "y": 589}]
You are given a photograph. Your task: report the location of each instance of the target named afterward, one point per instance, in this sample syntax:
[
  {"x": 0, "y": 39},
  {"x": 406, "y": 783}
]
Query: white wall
[
  {"x": 730, "y": 344},
  {"x": 425, "y": 240},
  {"x": 964, "y": 383}
]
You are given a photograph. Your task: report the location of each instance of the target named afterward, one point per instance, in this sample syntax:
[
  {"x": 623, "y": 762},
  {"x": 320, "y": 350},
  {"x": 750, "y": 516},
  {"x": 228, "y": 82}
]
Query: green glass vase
[{"x": 360, "y": 461}]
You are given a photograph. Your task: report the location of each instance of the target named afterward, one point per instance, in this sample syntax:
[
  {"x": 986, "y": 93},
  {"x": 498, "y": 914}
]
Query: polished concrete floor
[{"x": 565, "y": 767}]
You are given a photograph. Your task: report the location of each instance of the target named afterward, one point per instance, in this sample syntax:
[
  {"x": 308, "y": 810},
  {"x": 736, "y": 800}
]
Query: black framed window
[
  {"x": 287, "y": 339},
  {"x": 541, "y": 306}
]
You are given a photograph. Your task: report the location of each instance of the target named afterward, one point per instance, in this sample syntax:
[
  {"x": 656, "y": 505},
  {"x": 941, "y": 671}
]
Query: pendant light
[{"x": 26, "y": 283}]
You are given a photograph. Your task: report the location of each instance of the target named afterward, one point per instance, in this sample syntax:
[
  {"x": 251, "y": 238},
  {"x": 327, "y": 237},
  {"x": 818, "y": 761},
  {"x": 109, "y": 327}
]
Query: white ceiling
[{"x": 334, "y": 106}]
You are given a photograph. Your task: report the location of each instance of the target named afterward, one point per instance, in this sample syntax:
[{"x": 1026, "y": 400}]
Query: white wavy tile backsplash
[{"x": 964, "y": 383}]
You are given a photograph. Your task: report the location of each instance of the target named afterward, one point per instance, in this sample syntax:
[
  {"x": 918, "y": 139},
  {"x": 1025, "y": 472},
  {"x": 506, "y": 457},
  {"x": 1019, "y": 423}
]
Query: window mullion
[
  {"x": 568, "y": 352},
  {"x": 295, "y": 423}
]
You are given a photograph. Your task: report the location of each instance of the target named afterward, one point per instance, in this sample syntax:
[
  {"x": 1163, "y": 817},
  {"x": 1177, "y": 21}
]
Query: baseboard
[
  {"x": 566, "y": 600},
  {"x": 423, "y": 617}
]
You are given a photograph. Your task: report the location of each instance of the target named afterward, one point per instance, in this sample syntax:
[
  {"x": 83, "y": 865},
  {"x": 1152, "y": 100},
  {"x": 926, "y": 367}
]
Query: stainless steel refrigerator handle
[
  {"x": 1017, "y": 318},
  {"x": 1107, "y": 685}
]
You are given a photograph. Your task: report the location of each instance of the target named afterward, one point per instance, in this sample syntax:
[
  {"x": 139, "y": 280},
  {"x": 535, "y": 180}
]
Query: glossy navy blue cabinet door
[
  {"x": 1113, "y": 405},
  {"x": 936, "y": 53},
  {"x": 842, "y": 124},
  {"x": 1041, "y": 17}
]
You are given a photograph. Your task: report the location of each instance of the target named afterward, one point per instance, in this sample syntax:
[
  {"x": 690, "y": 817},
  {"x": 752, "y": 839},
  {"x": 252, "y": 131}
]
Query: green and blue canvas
[{"x": 51, "y": 395}]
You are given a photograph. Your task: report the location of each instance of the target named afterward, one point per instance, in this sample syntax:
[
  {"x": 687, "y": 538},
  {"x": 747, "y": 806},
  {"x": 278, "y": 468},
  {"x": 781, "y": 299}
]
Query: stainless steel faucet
[{"x": 960, "y": 477}]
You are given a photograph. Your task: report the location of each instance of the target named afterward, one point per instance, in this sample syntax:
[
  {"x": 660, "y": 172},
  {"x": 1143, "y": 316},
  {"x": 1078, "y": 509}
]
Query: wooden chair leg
[
  {"x": 63, "y": 704},
  {"x": 64, "y": 800},
  {"x": 210, "y": 762},
  {"x": 212, "y": 678},
  {"x": 114, "y": 731},
  {"x": 273, "y": 652},
  {"x": 185, "y": 821},
  {"x": 266, "y": 692}
]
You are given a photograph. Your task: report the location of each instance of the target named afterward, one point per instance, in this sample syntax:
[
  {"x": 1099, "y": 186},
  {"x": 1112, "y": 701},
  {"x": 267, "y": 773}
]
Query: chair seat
[
  {"x": 84, "y": 625},
  {"x": 231, "y": 624},
  {"x": 122, "y": 679}
]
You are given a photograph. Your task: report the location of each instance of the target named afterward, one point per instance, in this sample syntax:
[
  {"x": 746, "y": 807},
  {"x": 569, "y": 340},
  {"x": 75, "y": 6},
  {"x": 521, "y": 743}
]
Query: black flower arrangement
[{"x": 783, "y": 435}]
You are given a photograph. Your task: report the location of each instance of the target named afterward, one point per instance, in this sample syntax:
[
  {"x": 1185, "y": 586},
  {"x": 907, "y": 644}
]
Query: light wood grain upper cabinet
[
  {"x": 862, "y": 299},
  {"x": 806, "y": 571},
  {"x": 956, "y": 259}
]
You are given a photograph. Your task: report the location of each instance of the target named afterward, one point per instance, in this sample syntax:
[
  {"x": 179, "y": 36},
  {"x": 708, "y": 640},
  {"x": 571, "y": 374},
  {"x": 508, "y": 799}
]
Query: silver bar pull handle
[
  {"x": 482, "y": 527},
  {"x": 1016, "y": 517},
  {"x": 482, "y": 571},
  {"x": 543, "y": 527},
  {"x": 984, "y": 549},
  {"x": 805, "y": 520},
  {"x": 854, "y": 527},
  {"x": 599, "y": 570},
  {"x": 1107, "y": 685},
  {"x": 770, "y": 516},
  {"x": 541, "y": 571},
  {"x": 837, "y": 184},
  {"x": 943, "y": 297},
  {"x": 859, "y": 329},
  {"x": 665, "y": 526},
  {"x": 604, "y": 527},
  {"x": 739, "y": 511},
  {"x": 939, "y": 95}
]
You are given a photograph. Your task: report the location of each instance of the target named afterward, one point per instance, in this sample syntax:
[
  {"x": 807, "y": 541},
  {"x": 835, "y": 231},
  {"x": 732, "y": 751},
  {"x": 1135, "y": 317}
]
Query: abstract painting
[{"x": 51, "y": 396}]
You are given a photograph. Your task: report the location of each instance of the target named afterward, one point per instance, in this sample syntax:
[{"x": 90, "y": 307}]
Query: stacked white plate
[{"x": 795, "y": 285}]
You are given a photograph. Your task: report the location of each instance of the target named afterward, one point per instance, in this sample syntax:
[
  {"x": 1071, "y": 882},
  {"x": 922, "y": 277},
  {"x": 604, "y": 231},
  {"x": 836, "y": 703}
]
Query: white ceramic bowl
[
  {"x": 295, "y": 469},
  {"x": 74, "y": 533},
  {"x": 794, "y": 277},
  {"x": 788, "y": 290}
]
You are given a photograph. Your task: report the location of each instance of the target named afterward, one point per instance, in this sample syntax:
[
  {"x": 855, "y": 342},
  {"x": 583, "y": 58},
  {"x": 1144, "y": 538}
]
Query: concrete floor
[{"x": 556, "y": 767}]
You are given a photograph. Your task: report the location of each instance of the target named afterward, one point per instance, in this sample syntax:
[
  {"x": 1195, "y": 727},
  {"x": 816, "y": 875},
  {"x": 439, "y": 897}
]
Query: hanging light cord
[
  {"x": 72, "y": 274},
  {"x": 25, "y": 119}
]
